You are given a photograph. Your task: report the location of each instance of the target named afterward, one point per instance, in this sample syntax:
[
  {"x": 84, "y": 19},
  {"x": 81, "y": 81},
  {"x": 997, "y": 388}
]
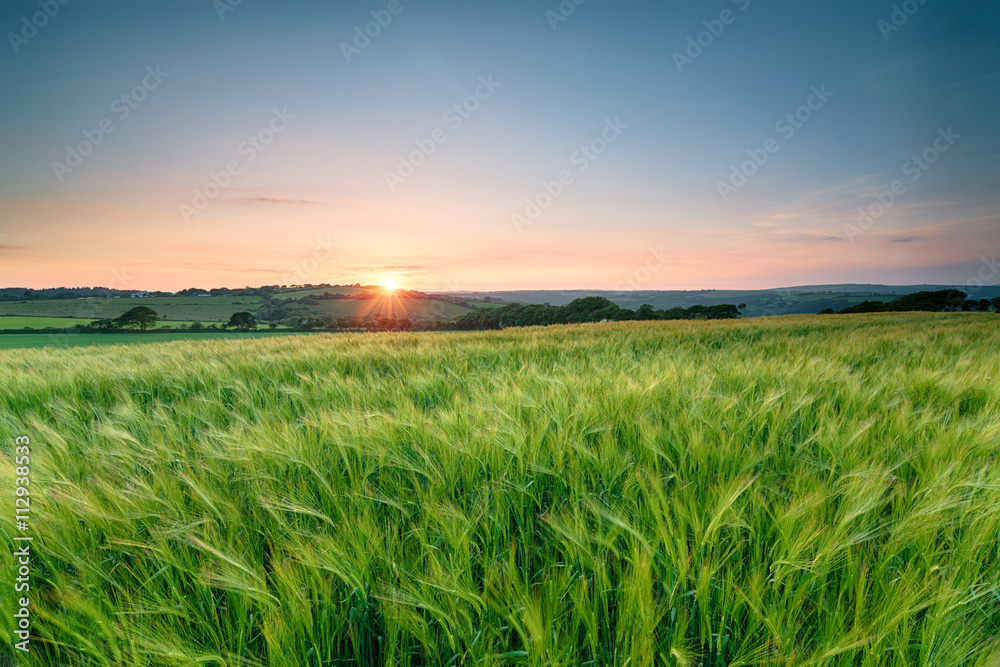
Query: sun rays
[{"x": 388, "y": 302}]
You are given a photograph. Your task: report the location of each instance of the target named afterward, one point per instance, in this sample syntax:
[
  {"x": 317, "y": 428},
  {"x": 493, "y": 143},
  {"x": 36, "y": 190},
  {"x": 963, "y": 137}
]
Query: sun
[{"x": 390, "y": 284}]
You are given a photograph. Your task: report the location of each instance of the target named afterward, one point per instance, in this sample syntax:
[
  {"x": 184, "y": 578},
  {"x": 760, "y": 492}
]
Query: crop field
[
  {"x": 11, "y": 322},
  {"x": 15, "y": 341},
  {"x": 14, "y": 322},
  {"x": 189, "y": 309},
  {"x": 219, "y": 308},
  {"x": 796, "y": 490}
]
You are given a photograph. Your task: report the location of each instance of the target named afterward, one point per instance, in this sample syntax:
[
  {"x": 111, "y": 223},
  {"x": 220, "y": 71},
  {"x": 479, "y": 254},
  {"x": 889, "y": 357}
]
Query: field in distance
[
  {"x": 59, "y": 340},
  {"x": 797, "y": 490},
  {"x": 207, "y": 309},
  {"x": 41, "y": 322},
  {"x": 805, "y": 299}
]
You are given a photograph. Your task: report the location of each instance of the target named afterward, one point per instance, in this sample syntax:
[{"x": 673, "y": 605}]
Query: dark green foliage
[
  {"x": 242, "y": 321},
  {"x": 941, "y": 301},
  {"x": 140, "y": 316},
  {"x": 586, "y": 309},
  {"x": 105, "y": 325},
  {"x": 307, "y": 323},
  {"x": 869, "y": 306},
  {"x": 983, "y": 305}
]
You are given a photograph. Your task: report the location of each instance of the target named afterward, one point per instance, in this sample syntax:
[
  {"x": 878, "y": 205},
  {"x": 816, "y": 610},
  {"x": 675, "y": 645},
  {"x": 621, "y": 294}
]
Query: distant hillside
[
  {"x": 277, "y": 304},
  {"x": 280, "y": 305},
  {"x": 802, "y": 299}
]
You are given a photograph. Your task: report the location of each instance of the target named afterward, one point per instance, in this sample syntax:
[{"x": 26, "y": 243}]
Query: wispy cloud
[
  {"x": 820, "y": 208},
  {"x": 273, "y": 200}
]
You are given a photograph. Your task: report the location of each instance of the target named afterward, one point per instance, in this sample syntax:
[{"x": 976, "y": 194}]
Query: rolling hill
[
  {"x": 206, "y": 309},
  {"x": 803, "y": 299}
]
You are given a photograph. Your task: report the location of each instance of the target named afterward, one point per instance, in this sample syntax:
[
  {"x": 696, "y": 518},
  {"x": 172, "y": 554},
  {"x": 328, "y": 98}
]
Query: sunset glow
[{"x": 442, "y": 157}]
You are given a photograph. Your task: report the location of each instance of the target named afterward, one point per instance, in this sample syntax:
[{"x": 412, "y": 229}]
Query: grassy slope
[
  {"x": 204, "y": 309},
  {"x": 808, "y": 299},
  {"x": 40, "y": 322},
  {"x": 793, "y": 491},
  {"x": 299, "y": 293},
  {"x": 14, "y": 341},
  {"x": 219, "y": 309},
  {"x": 15, "y": 322}
]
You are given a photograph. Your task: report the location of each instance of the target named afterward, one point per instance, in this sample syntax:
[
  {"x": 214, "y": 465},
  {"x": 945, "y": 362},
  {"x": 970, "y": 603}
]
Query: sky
[{"x": 499, "y": 144}]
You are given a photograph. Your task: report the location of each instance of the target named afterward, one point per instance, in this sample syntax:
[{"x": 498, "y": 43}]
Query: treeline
[
  {"x": 28, "y": 294},
  {"x": 586, "y": 309},
  {"x": 941, "y": 301},
  {"x": 367, "y": 323},
  {"x": 263, "y": 290},
  {"x": 363, "y": 295},
  {"x": 145, "y": 320},
  {"x": 468, "y": 301}
]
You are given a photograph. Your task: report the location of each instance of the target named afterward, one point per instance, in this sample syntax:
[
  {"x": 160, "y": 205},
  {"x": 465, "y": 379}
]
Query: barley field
[{"x": 799, "y": 490}]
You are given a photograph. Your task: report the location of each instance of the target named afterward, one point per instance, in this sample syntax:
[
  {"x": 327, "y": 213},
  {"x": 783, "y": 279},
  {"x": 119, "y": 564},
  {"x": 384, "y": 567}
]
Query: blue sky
[{"x": 465, "y": 219}]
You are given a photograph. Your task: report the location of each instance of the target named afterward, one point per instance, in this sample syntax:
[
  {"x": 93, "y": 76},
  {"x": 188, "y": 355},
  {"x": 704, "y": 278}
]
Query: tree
[
  {"x": 140, "y": 316},
  {"x": 722, "y": 311},
  {"x": 308, "y": 323},
  {"x": 645, "y": 312},
  {"x": 105, "y": 325},
  {"x": 826, "y": 311},
  {"x": 242, "y": 321},
  {"x": 273, "y": 310},
  {"x": 696, "y": 312},
  {"x": 197, "y": 326},
  {"x": 868, "y": 306},
  {"x": 996, "y": 303}
]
